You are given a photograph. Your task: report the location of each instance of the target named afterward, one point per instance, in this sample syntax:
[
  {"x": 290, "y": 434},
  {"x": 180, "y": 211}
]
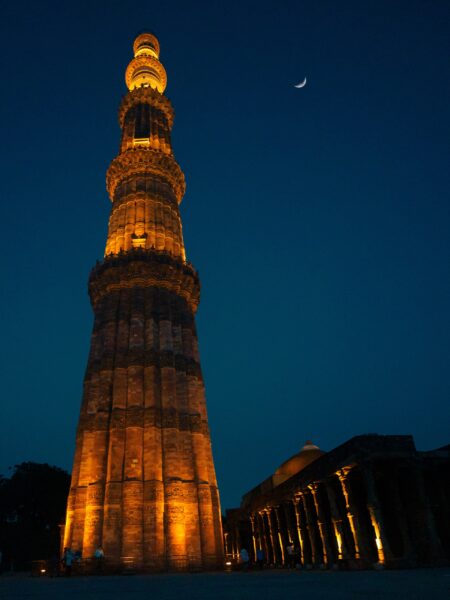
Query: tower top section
[{"x": 145, "y": 70}]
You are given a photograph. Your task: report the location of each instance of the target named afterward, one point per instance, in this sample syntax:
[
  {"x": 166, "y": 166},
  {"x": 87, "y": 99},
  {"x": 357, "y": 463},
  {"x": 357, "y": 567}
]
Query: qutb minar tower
[{"x": 143, "y": 481}]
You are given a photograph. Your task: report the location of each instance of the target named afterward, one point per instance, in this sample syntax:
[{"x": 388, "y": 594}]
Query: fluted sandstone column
[
  {"x": 279, "y": 533},
  {"x": 338, "y": 525},
  {"x": 328, "y": 553},
  {"x": 316, "y": 546},
  {"x": 253, "y": 530},
  {"x": 271, "y": 555},
  {"x": 376, "y": 516},
  {"x": 291, "y": 532},
  {"x": 300, "y": 532},
  {"x": 263, "y": 535},
  {"x": 143, "y": 482},
  {"x": 358, "y": 537}
]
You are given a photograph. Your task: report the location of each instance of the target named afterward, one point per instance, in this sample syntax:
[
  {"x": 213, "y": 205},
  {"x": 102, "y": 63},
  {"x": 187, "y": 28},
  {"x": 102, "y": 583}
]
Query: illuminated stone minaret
[{"x": 143, "y": 481}]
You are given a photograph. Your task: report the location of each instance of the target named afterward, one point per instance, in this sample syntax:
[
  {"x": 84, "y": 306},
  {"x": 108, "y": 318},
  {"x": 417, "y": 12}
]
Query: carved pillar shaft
[
  {"x": 279, "y": 534},
  {"x": 273, "y": 535},
  {"x": 328, "y": 553},
  {"x": 269, "y": 537},
  {"x": 296, "y": 502},
  {"x": 265, "y": 542},
  {"x": 313, "y": 538},
  {"x": 376, "y": 516},
  {"x": 337, "y": 523},
  {"x": 253, "y": 530},
  {"x": 259, "y": 534},
  {"x": 351, "y": 513},
  {"x": 291, "y": 528}
]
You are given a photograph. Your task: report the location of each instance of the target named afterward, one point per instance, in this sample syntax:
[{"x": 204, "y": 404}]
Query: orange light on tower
[{"x": 143, "y": 482}]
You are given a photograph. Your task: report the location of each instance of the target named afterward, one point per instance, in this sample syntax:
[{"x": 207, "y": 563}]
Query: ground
[{"x": 420, "y": 584}]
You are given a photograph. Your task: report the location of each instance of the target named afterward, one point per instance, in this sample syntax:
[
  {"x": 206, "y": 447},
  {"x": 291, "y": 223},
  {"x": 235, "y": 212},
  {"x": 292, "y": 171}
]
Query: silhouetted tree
[{"x": 32, "y": 505}]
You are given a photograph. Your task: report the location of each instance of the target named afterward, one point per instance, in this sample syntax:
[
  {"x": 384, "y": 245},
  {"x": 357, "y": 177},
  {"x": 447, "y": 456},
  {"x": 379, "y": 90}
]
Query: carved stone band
[
  {"x": 144, "y": 269},
  {"x": 146, "y": 95},
  {"x": 146, "y": 161}
]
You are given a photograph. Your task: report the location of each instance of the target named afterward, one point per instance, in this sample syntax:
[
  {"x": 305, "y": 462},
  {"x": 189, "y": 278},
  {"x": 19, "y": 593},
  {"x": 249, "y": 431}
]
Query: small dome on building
[{"x": 296, "y": 463}]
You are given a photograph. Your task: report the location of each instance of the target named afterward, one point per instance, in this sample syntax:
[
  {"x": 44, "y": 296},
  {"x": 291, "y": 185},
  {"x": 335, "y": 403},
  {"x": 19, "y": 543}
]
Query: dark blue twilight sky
[{"x": 318, "y": 218}]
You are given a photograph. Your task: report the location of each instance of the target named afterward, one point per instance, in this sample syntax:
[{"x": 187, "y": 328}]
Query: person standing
[
  {"x": 245, "y": 559},
  {"x": 290, "y": 552},
  {"x": 67, "y": 561},
  {"x": 99, "y": 556},
  {"x": 260, "y": 558}
]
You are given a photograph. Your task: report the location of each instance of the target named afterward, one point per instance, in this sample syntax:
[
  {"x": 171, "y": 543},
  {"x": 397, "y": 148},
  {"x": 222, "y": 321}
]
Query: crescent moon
[{"x": 301, "y": 84}]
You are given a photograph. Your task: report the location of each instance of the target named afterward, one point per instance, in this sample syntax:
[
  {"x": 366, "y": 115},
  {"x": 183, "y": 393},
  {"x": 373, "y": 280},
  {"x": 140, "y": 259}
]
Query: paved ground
[{"x": 420, "y": 584}]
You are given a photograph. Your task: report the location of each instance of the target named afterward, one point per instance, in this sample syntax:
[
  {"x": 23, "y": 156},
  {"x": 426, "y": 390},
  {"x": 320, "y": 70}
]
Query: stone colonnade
[
  {"x": 143, "y": 480},
  {"x": 358, "y": 517}
]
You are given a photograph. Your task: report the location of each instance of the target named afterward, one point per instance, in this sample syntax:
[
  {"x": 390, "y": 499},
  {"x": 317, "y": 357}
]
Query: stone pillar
[
  {"x": 237, "y": 543},
  {"x": 271, "y": 519},
  {"x": 351, "y": 513},
  {"x": 291, "y": 529},
  {"x": 311, "y": 521},
  {"x": 272, "y": 558},
  {"x": 296, "y": 502},
  {"x": 259, "y": 540},
  {"x": 338, "y": 527},
  {"x": 226, "y": 543},
  {"x": 426, "y": 524},
  {"x": 328, "y": 550},
  {"x": 279, "y": 533},
  {"x": 376, "y": 516},
  {"x": 262, "y": 528},
  {"x": 253, "y": 529}
]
